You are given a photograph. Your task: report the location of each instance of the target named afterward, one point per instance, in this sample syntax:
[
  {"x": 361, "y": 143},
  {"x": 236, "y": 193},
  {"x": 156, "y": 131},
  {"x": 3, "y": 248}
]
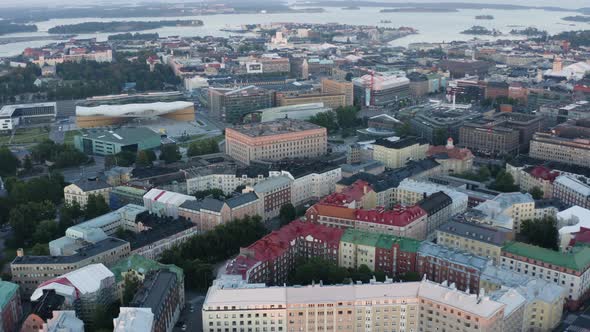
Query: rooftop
[
  {"x": 152, "y": 294},
  {"x": 453, "y": 255},
  {"x": 401, "y": 143},
  {"x": 271, "y": 184},
  {"x": 142, "y": 265},
  {"x": 579, "y": 260},
  {"x": 478, "y": 232},
  {"x": 384, "y": 241},
  {"x": 278, "y": 127},
  {"x": 91, "y": 184},
  {"x": 134, "y": 320},
  {"x": 574, "y": 184},
  {"x": 123, "y": 136},
  {"x": 542, "y": 172},
  {"x": 7, "y": 292},
  {"x": 434, "y": 202}
]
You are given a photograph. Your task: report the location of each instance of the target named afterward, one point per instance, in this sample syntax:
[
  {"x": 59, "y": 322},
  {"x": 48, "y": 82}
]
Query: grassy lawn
[
  {"x": 69, "y": 136},
  {"x": 30, "y": 135}
]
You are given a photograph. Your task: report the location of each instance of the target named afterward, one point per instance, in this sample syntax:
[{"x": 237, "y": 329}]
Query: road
[
  {"x": 194, "y": 319},
  {"x": 83, "y": 172}
]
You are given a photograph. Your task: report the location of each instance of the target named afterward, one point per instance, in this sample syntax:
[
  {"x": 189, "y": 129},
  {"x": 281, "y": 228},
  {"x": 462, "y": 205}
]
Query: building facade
[
  {"x": 79, "y": 192},
  {"x": 276, "y": 140},
  {"x": 396, "y": 154},
  {"x": 573, "y": 151},
  {"x": 572, "y": 191}
]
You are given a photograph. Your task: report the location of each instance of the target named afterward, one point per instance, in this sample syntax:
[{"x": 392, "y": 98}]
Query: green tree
[
  {"x": 27, "y": 164},
  {"x": 504, "y": 182},
  {"x": 145, "y": 158},
  {"x": 40, "y": 249},
  {"x": 202, "y": 147},
  {"x": 541, "y": 232},
  {"x": 124, "y": 158},
  {"x": 347, "y": 117},
  {"x": 410, "y": 276},
  {"x": 69, "y": 214},
  {"x": 316, "y": 270},
  {"x": 96, "y": 206},
  {"x": 25, "y": 218},
  {"x": 440, "y": 137},
  {"x": 170, "y": 153},
  {"x": 537, "y": 193},
  {"x": 326, "y": 120},
  {"x": 213, "y": 192},
  {"x": 130, "y": 286},
  {"x": 46, "y": 231},
  {"x": 8, "y": 162},
  {"x": 287, "y": 214}
]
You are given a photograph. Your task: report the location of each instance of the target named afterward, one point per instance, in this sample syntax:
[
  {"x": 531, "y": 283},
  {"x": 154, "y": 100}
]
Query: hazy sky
[{"x": 52, "y": 3}]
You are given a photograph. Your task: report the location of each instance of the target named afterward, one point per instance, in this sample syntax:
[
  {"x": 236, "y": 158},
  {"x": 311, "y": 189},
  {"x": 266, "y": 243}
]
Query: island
[
  {"x": 419, "y": 10},
  {"x": 351, "y": 8},
  {"x": 479, "y": 30},
  {"x": 7, "y": 27},
  {"x": 134, "y": 36},
  {"x": 484, "y": 17},
  {"x": 529, "y": 32},
  {"x": 122, "y": 26},
  {"x": 577, "y": 18}
]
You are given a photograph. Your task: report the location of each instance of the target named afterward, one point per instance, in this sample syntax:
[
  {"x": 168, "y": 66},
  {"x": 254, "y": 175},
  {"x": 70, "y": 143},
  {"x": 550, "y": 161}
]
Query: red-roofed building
[
  {"x": 538, "y": 176},
  {"x": 270, "y": 259},
  {"x": 359, "y": 195},
  {"x": 451, "y": 158},
  {"x": 580, "y": 238},
  {"x": 408, "y": 222}
]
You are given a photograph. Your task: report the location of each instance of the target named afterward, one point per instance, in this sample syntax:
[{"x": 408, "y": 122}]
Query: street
[{"x": 193, "y": 320}]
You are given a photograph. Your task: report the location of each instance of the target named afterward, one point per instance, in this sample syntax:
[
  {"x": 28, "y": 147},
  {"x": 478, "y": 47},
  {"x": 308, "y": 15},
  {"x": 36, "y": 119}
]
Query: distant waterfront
[{"x": 433, "y": 27}]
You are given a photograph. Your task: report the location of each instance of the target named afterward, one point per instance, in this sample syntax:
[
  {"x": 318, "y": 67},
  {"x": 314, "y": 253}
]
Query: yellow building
[
  {"x": 330, "y": 100},
  {"x": 80, "y": 191},
  {"x": 474, "y": 238},
  {"x": 396, "y": 154},
  {"x": 338, "y": 87}
]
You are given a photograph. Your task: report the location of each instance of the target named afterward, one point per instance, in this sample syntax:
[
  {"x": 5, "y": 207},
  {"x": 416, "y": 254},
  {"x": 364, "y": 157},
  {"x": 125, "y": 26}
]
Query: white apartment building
[{"x": 410, "y": 192}]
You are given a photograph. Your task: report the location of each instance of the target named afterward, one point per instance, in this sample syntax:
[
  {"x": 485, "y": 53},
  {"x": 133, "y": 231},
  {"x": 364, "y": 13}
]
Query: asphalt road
[{"x": 194, "y": 319}]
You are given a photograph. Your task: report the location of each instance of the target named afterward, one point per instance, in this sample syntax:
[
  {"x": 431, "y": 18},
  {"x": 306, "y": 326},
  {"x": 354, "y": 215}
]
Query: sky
[{"x": 561, "y": 3}]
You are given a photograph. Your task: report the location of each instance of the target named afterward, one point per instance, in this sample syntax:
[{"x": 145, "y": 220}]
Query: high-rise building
[{"x": 231, "y": 105}]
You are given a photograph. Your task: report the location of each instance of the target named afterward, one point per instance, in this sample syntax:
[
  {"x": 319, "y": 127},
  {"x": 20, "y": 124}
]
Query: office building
[
  {"x": 276, "y": 140},
  {"x": 11, "y": 309},
  {"x": 489, "y": 137},
  {"x": 110, "y": 142},
  {"x": 412, "y": 306},
  {"x": 560, "y": 112},
  {"x": 231, "y": 105},
  {"x": 331, "y": 101},
  {"x": 565, "y": 149},
  {"x": 474, "y": 238},
  {"x": 380, "y": 90},
  {"x": 25, "y": 269},
  {"x": 337, "y": 87},
  {"x": 396, "y": 154},
  {"x": 572, "y": 191},
  {"x": 432, "y": 120},
  {"x": 79, "y": 191},
  {"x": 13, "y": 116}
]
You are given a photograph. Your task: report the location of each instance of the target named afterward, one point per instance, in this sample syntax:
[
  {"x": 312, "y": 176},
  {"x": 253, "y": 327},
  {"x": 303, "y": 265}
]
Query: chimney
[{"x": 20, "y": 252}]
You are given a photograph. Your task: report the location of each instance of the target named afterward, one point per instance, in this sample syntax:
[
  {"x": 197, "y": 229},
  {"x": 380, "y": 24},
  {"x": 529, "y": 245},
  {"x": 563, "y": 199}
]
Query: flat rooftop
[
  {"x": 120, "y": 136},
  {"x": 278, "y": 127}
]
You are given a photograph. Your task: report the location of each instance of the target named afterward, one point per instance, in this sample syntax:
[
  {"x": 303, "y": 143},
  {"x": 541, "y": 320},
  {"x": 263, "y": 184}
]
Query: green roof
[
  {"x": 578, "y": 260},
  {"x": 384, "y": 241},
  {"x": 142, "y": 264},
  {"x": 7, "y": 291},
  {"x": 130, "y": 190}
]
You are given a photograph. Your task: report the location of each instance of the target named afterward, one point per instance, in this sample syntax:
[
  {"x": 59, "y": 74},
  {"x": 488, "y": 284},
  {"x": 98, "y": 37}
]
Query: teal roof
[
  {"x": 579, "y": 260},
  {"x": 142, "y": 264},
  {"x": 384, "y": 241},
  {"x": 7, "y": 291}
]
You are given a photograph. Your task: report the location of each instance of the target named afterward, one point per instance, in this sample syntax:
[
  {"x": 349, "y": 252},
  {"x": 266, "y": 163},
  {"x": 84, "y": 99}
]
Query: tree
[
  {"x": 537, "y": 193},
  {"x": 130, "y": 286},
  {"x": 346, "y": 116},
  {"x": 28, "y": 164},
  {"x": 124, "y": 158},
  {"x": 541, "y": 232},
  {"x": 46, "y": 231},
  {"x": 287, "y": 214},
  {"x": 69, "y": 214},
  {"x": 95, "y": 206},
  {"x": 504, "y": 182},
  {"x": 145, "y": 158},
  {"x": 206, "y": 146},
  {"x": 40, "y": 249},
  {"x": 214, "y": 192},
  {"x": 410, "y": 276},
  {"x": 25, "y": 218},
  {"x": 9, "y": 162},
  {"x": 326, "y": 120},
  {"x": 170, "y": 153},
  {"x": 440, "y": 137}
]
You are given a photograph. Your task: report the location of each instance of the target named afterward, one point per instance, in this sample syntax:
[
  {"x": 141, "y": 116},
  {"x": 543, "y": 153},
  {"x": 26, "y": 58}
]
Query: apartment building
[
  {"x": 31, "y": 271},
  {"x": 273, "y": 193},
  {"x": 390, "y": 254},
  {"x": 409, "y": 221},
  {"x": 534, "y": 177},
  {"x": 573, "y": 151},
  {"x": 270, "y": 259},
  {"x": 209, "y": 213},
  {"x": 439, "y": 263},
  {"x": 79, "y": 191},
  {"x": 134, "y": 320},
  {"x": 410, "y": 191},
  {"x": 508, "y": 210},
  {"x": 572, "y": 191},
  {"x": 544, "y": 300},
  {"x": 226, "y": 177},
  {"x": 413, "y": 306},
  {"x": 474, "y": 238},
  {"x": 453, "y": 160},
  {"x": 276, "y": 140},
  {"x": 310, "y": 182},
  {"x": 396, "y": 154},
  {"x": 438, "y": 207},
  {"x": 568, "y": 270}
]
